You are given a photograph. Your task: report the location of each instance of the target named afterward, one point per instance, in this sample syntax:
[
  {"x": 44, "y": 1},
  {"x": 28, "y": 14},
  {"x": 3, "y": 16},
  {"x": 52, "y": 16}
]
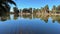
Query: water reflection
[
  {"x": 56, "y": 18},
  {"x": 31, "y": 16},
  {"x": 30, "y": 24},
  {"x": 4, "y": 18},
  {"x": 15, "y": 16}
]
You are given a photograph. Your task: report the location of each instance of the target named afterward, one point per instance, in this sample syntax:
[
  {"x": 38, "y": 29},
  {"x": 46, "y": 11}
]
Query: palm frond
[
  {"x": 6, "y": 5},
  {"x": 2, "y": 7},
  {"x": 11, "y": 2}
]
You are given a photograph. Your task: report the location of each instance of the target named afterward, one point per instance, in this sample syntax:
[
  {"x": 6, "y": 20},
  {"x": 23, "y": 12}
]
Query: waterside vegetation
[{"x": 5, "y": 9}]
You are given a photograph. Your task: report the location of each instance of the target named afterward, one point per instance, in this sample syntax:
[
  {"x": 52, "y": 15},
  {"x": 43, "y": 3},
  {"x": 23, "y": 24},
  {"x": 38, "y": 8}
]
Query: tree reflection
[
  {"x": 5, "y": 17},
  {"x": 27, "y": 16},
  {"x": 56, "y": 18},
  {"x": 45, "y": 18},
  {"x": 53, "y": 21},
  {"x": 16, "y": 16},
  {"x": 31, "y": 16}
]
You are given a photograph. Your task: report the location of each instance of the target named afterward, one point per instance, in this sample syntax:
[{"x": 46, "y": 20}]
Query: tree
[
  {"x": 42, "y": 10},
  {"x": 35, "y": 10},
  {"x": 47, "y": 8},
  {"x": 30, "y": 9},
  {"x": 54, "y": 9},
  {"x": 16, "y": 11},
  {"x": 25, "y": 10},
  {"x": 4, "y": 5},
  {"x": 58, "y": 8}
]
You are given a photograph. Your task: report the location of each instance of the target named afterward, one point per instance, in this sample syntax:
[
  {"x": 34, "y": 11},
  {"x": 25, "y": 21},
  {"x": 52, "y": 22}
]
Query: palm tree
[{"x": 4, "y": 5}]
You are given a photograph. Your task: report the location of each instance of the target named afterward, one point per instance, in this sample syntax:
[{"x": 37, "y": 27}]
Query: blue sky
[{"x": 36, "y": 3}]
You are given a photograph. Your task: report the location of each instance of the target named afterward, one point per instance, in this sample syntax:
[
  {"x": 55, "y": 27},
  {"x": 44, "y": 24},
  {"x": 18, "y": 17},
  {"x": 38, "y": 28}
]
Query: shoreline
[{"x": 38, "y": 14}]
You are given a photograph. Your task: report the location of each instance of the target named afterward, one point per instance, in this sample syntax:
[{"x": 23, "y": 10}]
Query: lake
[{"x": 30, "y": 24}]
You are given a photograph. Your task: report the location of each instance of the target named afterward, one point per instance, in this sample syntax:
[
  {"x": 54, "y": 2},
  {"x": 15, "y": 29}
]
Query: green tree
[
  {"x": 26, "y": 10},
  {"x": 16, "y": 11},
  {"x": 58, "y": 7},
  {"x": 4, "y": 6},
  {"x": 35, "y": 10},
  {"x": 42, "y": 10},
  {"x": 30, "y": 9},
  {"x": 54, "y": 9},
  {"x": 46, "y": 8}
]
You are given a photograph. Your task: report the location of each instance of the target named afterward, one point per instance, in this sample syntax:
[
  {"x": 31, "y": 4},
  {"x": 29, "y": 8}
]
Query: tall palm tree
[{"x": 4, "y": 5}]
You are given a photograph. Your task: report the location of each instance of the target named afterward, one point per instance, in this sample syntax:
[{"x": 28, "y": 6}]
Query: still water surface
[{"x": 29, "y": 24}]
